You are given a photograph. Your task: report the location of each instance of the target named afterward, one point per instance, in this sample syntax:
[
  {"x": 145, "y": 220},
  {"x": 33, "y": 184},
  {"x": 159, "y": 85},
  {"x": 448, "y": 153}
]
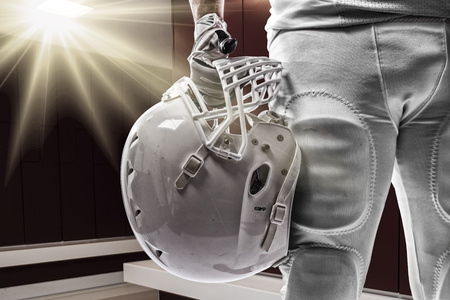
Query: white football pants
[{"x": 366, "y": 102}]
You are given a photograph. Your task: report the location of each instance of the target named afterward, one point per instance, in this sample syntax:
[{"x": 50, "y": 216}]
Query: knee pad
[
  {"x": 338, "y": 163},
  {"x": 324, "y": 272}
]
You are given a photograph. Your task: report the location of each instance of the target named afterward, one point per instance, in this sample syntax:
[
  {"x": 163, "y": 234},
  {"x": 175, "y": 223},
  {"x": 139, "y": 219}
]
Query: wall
[{"x": 65, "y": 112}]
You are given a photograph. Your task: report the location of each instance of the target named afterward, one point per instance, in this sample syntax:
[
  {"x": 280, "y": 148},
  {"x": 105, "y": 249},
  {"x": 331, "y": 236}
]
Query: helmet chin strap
[
  {"x": 191, "y": 167},
  {"x": 279, "y": 214}
]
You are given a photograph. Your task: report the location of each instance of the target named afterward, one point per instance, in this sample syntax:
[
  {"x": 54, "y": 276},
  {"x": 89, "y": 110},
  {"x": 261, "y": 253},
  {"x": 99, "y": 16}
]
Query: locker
[
  {"x": 403, "y": 283},
  {"x": 41, "y": 192},
  {"x": 110, "y": 214},
  {"x": 183, "y": 37},
  {"x": 383, "y": 271},
  {"x": 234, "y": 17},
  {"x": 39, "y": 147},
  {"x": 107, "y": 110},
  {"x": 159, "y": 80},
  {"x": 77, "y": 191},
  {"x": 36, "y": 98},
  {"x": 11, "y": 206},
  {"x": 256, "y": 13},
  {"x": 137, "y": 99},
  {"x": 73, "y": 76}
]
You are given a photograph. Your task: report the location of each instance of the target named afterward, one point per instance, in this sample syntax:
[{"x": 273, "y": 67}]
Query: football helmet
[{"x": 208, "y": 192}]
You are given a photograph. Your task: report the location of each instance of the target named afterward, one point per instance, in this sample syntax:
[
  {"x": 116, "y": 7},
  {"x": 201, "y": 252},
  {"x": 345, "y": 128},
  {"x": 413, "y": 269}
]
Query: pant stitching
[
  {"x": 416, "y": 20},
  {"x": 437, "y": 272},
  {"x": 438, "y": 81},
  {"x": 381, "y": 77},
  {"x": 433, "y": 173},
  {"x": 372, "y": 154}
]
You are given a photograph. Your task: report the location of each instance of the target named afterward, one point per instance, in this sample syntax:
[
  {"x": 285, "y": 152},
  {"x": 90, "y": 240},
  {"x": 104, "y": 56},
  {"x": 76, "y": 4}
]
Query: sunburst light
[{"x": 130, "y": 34}]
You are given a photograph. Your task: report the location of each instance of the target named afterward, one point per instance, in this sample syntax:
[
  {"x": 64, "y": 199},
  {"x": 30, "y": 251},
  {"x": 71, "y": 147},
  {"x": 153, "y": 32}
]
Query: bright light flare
[
  {"x": 64, "y": 8},
  {"x": 38, "y": 38},
  {"x": 48, "y": 24}
]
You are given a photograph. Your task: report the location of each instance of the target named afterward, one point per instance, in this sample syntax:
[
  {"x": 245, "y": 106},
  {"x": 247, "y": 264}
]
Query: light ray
[
  {"x": 20, "y": 19},
  {"x": 14, "y": 149}
]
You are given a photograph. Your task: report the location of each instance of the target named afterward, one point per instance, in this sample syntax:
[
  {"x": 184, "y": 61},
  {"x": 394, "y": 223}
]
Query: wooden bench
[{"x": 258, "y": 287}]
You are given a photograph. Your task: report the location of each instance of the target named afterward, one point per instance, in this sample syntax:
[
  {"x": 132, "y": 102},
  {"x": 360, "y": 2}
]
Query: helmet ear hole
[
  {"x": 130, "y": 168},
  {"x": 259, "y": 179},
  {"x": 157, "y": 252},
  {"x": 137, "y": 213}
]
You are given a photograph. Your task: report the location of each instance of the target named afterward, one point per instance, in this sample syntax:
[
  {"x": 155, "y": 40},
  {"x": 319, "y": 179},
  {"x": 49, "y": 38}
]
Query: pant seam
[
  {"x": 381, "y": 77},
  {"x": 433, "y": 173},
  {"x": 437, "y": 272},
  {"x": 438, "y": 81}
]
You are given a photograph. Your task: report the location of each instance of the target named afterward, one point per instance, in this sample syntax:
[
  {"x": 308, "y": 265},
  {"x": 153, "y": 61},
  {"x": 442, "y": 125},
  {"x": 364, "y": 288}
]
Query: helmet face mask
[
  {"x": 247, "y": 82},
  {"x": 205, "y": 202}
]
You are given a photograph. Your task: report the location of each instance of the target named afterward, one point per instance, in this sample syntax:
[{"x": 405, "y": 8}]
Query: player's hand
[{"x": 212, "y": 42}]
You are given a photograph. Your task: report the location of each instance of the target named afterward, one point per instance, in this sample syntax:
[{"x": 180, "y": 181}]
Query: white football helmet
[{"x": 206, "y": 201}]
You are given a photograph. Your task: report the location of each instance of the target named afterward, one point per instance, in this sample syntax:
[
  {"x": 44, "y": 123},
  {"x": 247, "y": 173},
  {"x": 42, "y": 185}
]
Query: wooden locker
[
  {"x": 183, "y": 37},
  {"x": 39, "y": 147},
  {"x": 11, "y": 206},
  {"x": 233, "y": 15},
  {"x": 107, "y": 110},
  {"x": 403, "y": 282},
  {"x": 256, "y": 13},
  {"x": 383, "y": 271},
  {"x": 75, "y": 145},
  {"x": 109, "y": 210}
]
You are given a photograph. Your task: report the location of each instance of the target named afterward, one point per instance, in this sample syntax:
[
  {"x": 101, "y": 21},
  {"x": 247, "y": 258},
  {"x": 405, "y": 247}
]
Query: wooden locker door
[
  {"x": 107, "y": 110},
  {"x": 39, "y": 147},
  {"x": 383, "y": 271},
  {"x": 11, "y": 206},
  {"x": 107, "y": 114},
  {"x": 183, "y": 37},
  {"x": 403, "y": 284},
  {"x": 256, "y": 13},
  {"x": 233, "y": 15},
  {"x": 75, "y": 145}
]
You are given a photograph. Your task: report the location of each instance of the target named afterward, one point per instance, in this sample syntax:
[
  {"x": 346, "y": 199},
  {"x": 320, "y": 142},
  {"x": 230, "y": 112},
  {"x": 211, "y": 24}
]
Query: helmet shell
[{"x": 212, "y": 230}]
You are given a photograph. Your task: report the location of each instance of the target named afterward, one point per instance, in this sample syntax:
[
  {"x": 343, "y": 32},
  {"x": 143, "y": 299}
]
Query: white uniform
[{"x": 365, "y": 102}]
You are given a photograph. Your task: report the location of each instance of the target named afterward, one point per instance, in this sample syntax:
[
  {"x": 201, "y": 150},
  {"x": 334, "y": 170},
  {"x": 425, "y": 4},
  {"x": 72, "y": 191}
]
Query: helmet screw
[
  {"x": 265, "y": 148},
  {"x": 255, "y": 142},
  {"x": 280, "y": 138},
  {"x": 226, "y": 141},
  {"x": 284, "y": 172}
]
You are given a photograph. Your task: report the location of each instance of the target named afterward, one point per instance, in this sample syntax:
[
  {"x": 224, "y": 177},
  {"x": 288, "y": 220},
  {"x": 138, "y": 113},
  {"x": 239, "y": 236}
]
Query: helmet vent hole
[
  {"x": 135, "y": 138},
  {"x": 155, "y": 251},
  {"x": 137, "y": 213},
  {"x": 258, "y": 180}
]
